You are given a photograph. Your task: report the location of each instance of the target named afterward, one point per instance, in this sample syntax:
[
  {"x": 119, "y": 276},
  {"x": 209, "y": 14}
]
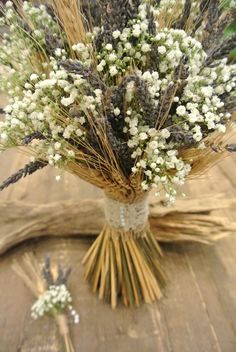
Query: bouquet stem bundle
[
  {"x": 124, "y": 261},
  {"x": 125, "y": 264},
  {"x": 63, "y": 328}
]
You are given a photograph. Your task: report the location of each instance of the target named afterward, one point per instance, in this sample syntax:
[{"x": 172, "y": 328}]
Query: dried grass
[
  {"x": 166, "y": 19},
  {"x": 69, "y": 14},
  {"x": 203, "y": 159},
  {"x": 29, "y": 271}
]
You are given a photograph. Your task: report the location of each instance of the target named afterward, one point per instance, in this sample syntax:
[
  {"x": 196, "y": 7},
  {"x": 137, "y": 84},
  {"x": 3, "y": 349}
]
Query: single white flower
[
  {"x": 161, "y": 50},
  {"x": 165, "y": 133},
  {"x": 34, "y": 77},
  {"x": 112, "y": 57},
  {"x": 57, "y": 145},
  {"x": 116, "y": 34},
  {"x": 143, "y": 136},
  {"x": 109, "y": 47},
  {"x": 221, "y": 128},
  {"x": 153, "y": 145},
  {"x": 145, "y": 48},
  {"x": 181, "y": 110},
  {"x": 100, "y": 67},
  {"x": 116, "y": 111},
  {"x": 113, "y": 70}
]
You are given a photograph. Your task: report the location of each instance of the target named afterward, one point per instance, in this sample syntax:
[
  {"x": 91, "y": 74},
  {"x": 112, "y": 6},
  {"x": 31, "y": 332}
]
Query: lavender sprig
[
  {"x": 76, "y": 67},
  {"x": 92, "y": 11},
  {"x": 46, "y": 271},
  {"x": 213, "y": 15},
  {"x": 114, "y": 17},
  {"x": 53, "y": 43},
  {"x": 119, "y": 147},
  {"x": 214, "y": 38},
  {"x": 144, "y": 100},
  {"x": 181, "y": 137},
  {"x": 203, "y": 8},
  {"x": 29, "y": 169},
  {"x": 222, "y": 50},
  {"x": 181, "y": 23},
  {"x": 231, "y": 148},
  {"x": 36, "y": 135},
  {"x": 62, "y": 274},
  {"x": 229, "y": 104}
]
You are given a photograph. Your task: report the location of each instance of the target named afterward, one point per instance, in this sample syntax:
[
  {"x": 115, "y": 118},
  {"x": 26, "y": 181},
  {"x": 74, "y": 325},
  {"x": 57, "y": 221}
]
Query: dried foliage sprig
[
  {"x": 29, "y": 169},
  {"x": 70, "y": 17},
  {"x": 48, "y": 282}
]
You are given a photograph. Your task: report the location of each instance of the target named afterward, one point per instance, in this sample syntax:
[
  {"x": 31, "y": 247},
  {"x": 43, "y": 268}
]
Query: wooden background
[{"x": 198, "y": 313}]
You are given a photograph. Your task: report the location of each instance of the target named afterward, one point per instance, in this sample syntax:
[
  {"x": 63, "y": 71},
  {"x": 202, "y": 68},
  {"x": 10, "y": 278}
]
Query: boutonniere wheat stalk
[
  {"x": 48, "y": 283},
  {"x": 129, "y": 96}
]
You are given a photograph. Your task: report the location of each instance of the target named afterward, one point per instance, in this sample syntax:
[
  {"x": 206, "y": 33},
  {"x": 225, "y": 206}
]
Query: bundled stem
[
  {"x": 64, "y": 332},
  {"x": 125, "y": 264}
]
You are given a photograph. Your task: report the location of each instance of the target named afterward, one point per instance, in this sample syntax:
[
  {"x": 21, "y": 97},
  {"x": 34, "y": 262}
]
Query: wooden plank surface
[{"x": 198, "y": 313}]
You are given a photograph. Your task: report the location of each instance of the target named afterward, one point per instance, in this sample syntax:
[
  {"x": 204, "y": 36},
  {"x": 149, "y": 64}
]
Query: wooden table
[{"x": 197, "y": 315}]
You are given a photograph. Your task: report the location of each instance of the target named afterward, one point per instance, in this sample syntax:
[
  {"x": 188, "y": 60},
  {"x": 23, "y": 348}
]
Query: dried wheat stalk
[{"x": 68, "y": 12}]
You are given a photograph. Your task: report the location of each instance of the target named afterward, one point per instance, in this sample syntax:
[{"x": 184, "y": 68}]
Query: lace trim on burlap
[{"x": 127, "y": 217}]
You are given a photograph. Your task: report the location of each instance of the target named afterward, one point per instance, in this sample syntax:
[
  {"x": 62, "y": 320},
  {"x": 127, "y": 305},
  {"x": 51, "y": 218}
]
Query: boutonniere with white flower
[{"x": 48, "y": 282}]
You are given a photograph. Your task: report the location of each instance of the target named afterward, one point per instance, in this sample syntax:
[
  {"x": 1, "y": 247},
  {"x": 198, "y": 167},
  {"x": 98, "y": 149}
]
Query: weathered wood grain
[{"x": 189, "y": 220}]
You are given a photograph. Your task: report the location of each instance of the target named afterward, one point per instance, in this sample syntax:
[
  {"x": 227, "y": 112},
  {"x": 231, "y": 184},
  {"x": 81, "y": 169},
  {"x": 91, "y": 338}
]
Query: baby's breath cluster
[
  {"x": 53, "y": 301},
  {"x": 150, "y": 79}
]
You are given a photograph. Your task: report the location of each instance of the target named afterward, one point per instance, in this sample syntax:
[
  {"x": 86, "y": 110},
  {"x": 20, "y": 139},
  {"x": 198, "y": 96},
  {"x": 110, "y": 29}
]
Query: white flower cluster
[
  {"x": 232, "y": 4},
  {"x": 197, "y": 108},
  {"x": 37, "y": 110},
  {"x": 20, "y": 45},
  {"x": 74, "y": 314},
  {"x": 53, "y": 301},
  {"x": 201, "y": 104},
  {"x": 156, "y": 157},
  {"x": 132, "y": 45},
  {"x": 83, "y": 52}
]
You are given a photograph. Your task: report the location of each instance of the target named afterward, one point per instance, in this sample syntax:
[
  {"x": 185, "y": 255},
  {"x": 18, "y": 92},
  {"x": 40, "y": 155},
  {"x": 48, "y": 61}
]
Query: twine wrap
[
  {"x": 127, "y": 217},
  {"x": 62, "y": 323}
]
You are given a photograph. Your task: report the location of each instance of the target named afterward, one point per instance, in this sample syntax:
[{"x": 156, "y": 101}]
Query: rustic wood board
[{"x": 198, "y": 313}]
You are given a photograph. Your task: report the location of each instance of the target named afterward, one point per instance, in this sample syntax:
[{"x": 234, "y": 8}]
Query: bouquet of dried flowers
[
  {"x": 128, "y": 95},
  {"x": 49, "y": 284}
]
